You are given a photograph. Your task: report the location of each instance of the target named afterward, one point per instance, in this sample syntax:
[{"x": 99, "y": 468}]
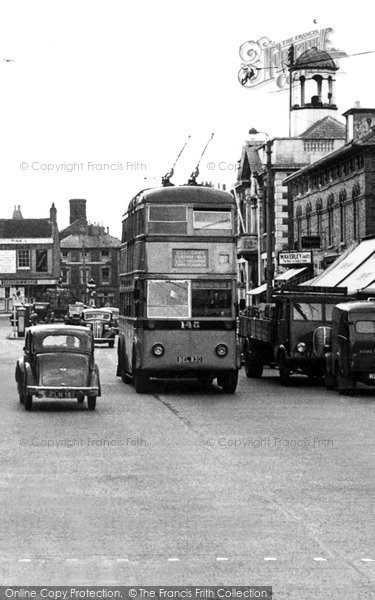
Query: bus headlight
[
  {"x": 221, "y": 350},
  {"x": 301, "y": 347},
  {"x": 158, "y": 349}
]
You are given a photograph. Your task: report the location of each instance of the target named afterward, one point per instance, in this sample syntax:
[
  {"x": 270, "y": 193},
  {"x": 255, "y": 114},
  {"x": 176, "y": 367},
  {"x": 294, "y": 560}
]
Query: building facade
[
  {"x": 29, "y": 258},
  {"x": 89, "y": 259},
  {"x": 334, "y": 198},
  {"x": 261, "y": 187}
]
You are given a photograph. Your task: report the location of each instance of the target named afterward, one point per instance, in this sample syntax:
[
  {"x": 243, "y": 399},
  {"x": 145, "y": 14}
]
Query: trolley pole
[{"x": 269, "y": 221}]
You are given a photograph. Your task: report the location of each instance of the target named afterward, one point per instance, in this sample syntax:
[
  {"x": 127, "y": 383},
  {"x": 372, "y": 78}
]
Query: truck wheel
[
  {"x": 91, "y": 402},
  {"x": 228, "y": 381},
  {"x": 28, "y": 401},
  {"x": 284, "y": 371},
  {"x": 253, "y": 365},
  {"x": 329, "y": 381},
  {"x": 345, "y": 385}
]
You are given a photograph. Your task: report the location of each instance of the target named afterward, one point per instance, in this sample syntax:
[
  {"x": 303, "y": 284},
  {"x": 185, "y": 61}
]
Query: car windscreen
[
  {"x": 307, "y": 311},
  {"x": 365, "y": 326},
  {"x": 97, "y": 316}
]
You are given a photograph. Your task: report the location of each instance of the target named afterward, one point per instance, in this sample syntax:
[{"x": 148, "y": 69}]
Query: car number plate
[
  {"x": 190, "y": 359},
  {"x": 371, "y": 376},
  {"x": 59, "y": 394}
]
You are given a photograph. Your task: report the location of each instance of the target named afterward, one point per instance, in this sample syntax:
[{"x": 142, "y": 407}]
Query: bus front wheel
[
  {"x": 141, "y": 381},
  {"x": 228, "y": 381}
]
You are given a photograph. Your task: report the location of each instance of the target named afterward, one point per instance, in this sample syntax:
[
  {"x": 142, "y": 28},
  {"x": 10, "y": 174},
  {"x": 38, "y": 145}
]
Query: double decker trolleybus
[{"x": 177, "y": 287}]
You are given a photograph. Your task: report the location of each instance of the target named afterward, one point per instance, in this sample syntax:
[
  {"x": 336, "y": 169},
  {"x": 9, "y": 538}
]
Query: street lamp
[{"x": 270, "y": 220}]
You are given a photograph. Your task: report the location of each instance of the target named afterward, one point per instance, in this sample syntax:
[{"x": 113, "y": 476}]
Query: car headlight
[
  {"x": 158, "y": 349},
  {"x": 221, "y": 350},
  {"x": 301, "y": 347}
]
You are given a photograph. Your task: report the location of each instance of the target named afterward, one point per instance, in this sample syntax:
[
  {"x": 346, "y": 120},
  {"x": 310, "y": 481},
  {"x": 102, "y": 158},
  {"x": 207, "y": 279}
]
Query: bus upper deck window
[{"x": 212, "y": 219}]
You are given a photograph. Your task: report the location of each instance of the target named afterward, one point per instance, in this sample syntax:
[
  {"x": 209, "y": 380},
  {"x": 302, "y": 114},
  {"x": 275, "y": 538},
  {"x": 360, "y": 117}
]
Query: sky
[{"x": 121, "y": 83}]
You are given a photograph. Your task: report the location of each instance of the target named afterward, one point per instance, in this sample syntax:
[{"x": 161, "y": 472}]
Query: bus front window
[
  {"x": 211, "y": 302},
  {"x": 168, "y": 299}
]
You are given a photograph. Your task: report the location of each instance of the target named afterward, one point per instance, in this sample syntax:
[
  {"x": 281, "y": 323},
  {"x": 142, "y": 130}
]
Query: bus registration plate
[{"x": 190, "y": 359}]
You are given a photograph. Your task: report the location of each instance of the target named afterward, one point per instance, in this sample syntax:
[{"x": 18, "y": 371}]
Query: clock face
[{"x": 362, "y": 125}]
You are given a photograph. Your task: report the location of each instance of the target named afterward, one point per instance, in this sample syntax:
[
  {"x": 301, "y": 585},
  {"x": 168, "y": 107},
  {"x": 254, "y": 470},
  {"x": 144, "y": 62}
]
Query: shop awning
[
  {"x": 258, "y": 290},
  {"x": 282, "y": 278},
  {"x": 355, "y": 271}
]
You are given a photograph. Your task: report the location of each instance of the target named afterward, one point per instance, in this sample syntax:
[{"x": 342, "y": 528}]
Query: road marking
[
  {"x": 24, "y": 560},
  {"x": 270, "y": 558},
  {"x": 119, "y": 560},
  {"x": 319, "y": 559},
  {"x": 221, "y": 558},
  {"x": 367, "y": 560},
  {"x": 173, "y": 559},
  {"x": 73, "y": 560}
]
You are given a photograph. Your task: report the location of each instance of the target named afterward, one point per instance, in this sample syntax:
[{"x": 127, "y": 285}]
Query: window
[
  {"x": 211, "y": 299},
  {"x": 308, "y": 218},
  {"x": 365, "y": 327},
  {"x": 355, "y": 195},
  {"x": 84, "y": 275},
  {"x": 23, "y": 259},
  {"x": 330, "y": 202},
  {"x": 41, "y": 261},
  {"x": 62, "y": 341},
  {"x": 212, "y": 219},
  {"x": 105, "y": 275},
  {"x": 342, "y": 199},
  {"x": 168, "y": 299},
  {"x": 65, "y": 275},
  {"x": 104, "y": 254},
  {"x": 163, "y": 214},
  {"x": 319, "y": 208},
  {"x": 85, "y": 255},
  {"x": 65, "y": 254},
  {"x": 307, "y": 312}
]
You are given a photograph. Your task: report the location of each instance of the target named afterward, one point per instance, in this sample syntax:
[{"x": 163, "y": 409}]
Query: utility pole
[
  {"x": 290, "y": 67},
  {"x": 269, "y": 221},
  {"x": 84, "y": 270}
]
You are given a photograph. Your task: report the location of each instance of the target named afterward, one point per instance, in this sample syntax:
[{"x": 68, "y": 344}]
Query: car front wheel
[
  {"x": 91, "y": 402},
  {"x": 28, "y": 402}
]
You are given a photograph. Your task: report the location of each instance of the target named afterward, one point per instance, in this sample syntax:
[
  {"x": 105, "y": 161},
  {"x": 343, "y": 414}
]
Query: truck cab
[{"x": 350, "y": 356}]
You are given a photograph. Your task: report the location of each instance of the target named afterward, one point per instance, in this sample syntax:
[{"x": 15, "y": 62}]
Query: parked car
[
  {"x": 58, "y": 362},
  {"x": 101, "y": 323},
  {"x": 115, "y": 316},
  {"x": 350, "y": 356},
  {"x": 42, "y": 313},
  {"x": 74, "y": 314}
]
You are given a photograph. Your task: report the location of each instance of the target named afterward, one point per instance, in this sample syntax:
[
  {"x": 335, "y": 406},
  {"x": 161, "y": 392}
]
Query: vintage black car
[
  {"x": 101, "y": 323},
  {"x": 74, "y": 314},
  {"x": 58, "y": 362},
  {"x": 350, "y": 351},
  {"x": 42, "y": 313}
]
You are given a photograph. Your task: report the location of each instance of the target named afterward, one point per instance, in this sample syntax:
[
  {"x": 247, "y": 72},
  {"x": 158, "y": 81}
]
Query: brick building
[
  {"x": 89, "y": 259},
  {"x": 29, "y": 257},
  {"x": 334, "y": 198}
]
